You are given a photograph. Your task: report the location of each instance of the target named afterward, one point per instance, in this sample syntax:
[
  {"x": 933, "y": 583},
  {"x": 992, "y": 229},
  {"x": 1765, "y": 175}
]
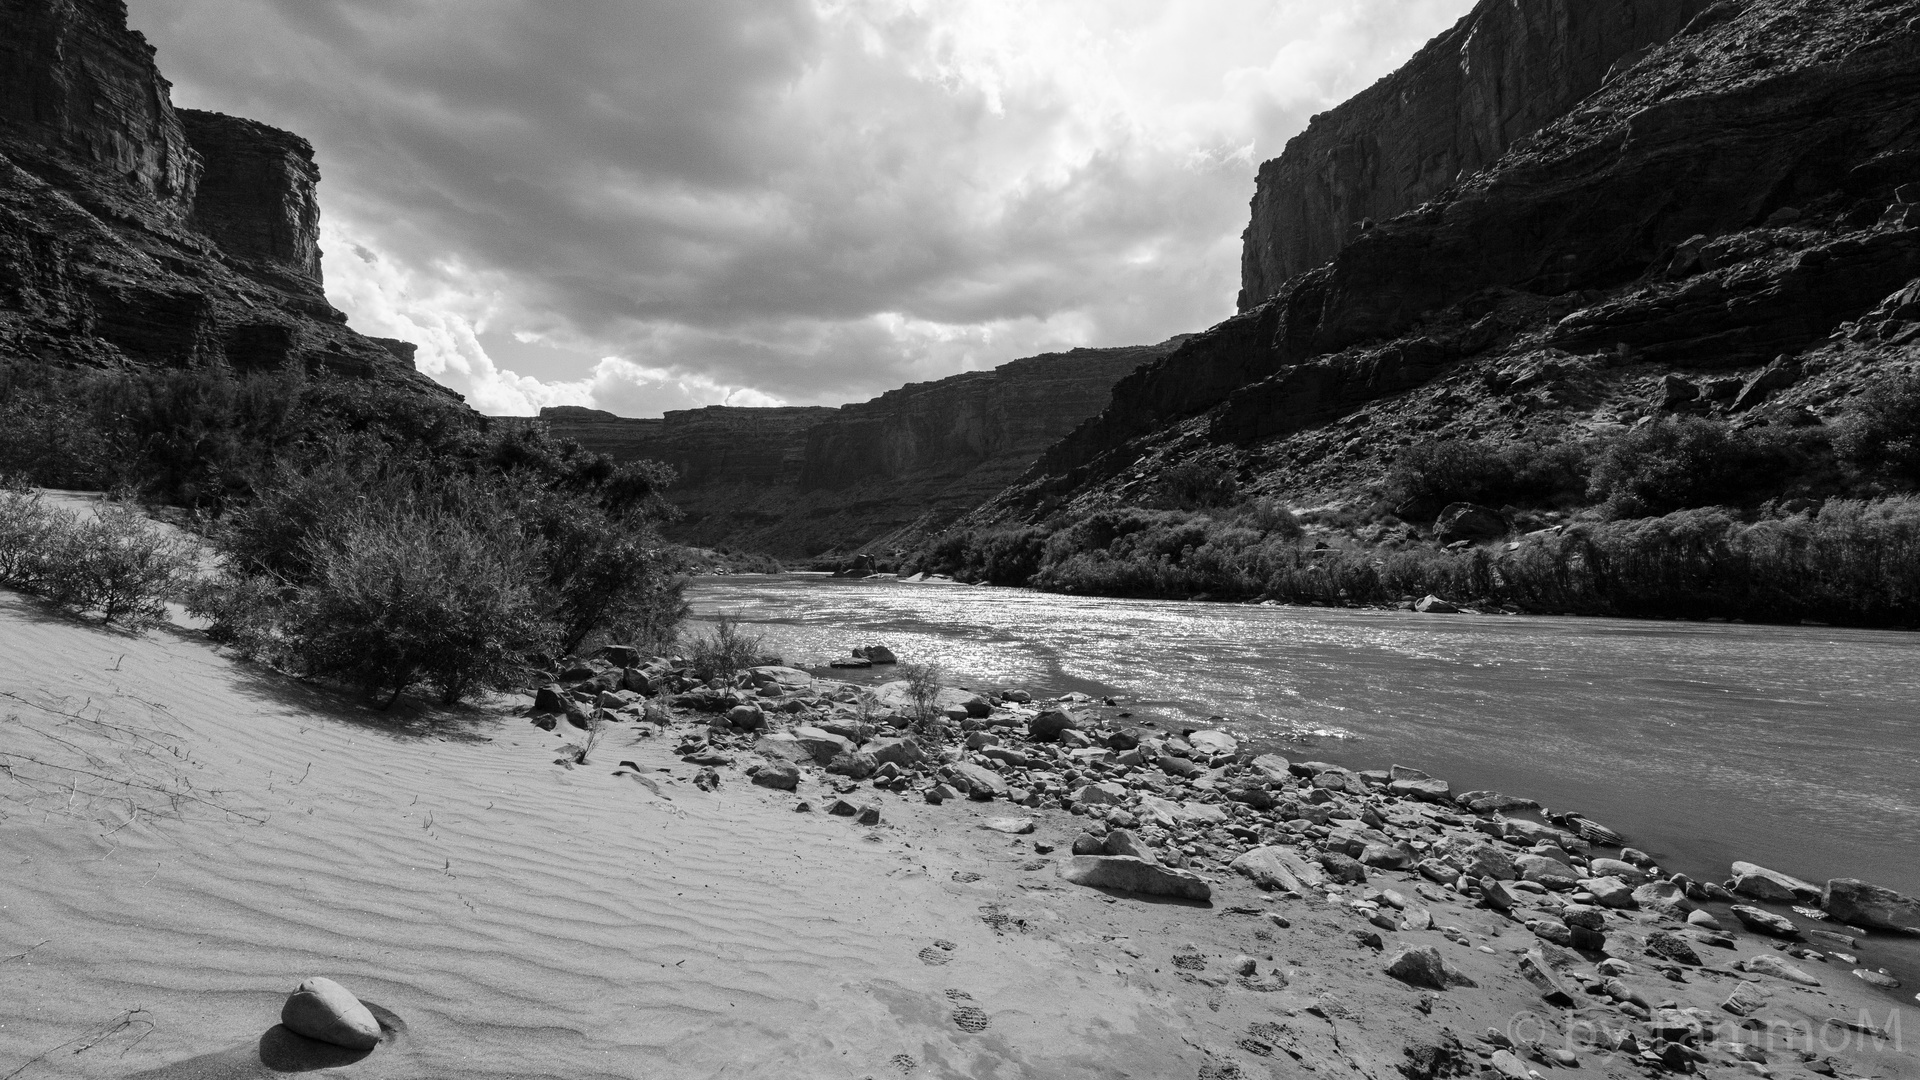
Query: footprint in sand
[
  {"x": 903, "y": 1062},
  {"x": 937, "y": 953}
]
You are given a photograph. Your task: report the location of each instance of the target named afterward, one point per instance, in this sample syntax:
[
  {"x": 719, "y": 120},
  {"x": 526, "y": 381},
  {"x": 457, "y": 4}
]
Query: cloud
[{"x": 806, "y": 201}]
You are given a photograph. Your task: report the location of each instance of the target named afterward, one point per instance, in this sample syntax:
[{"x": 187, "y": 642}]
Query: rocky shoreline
[{"x": 1453, "y": 894}]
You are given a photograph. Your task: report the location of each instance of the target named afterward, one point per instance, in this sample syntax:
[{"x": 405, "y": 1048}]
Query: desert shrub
[
  {"x": 405, "y": 597},
  {"x": 117, "y": 563},
  {"x": 725, "y": 651},
  {"x": 1679, "y": 464},
  {"x": 923, "y": 691},
  {"x": 1196, "y": 485},
  {"x": 1426, "y": 476},
  {"x": 1268, "y": 517},
  {"x": 1882, "y": 436}
]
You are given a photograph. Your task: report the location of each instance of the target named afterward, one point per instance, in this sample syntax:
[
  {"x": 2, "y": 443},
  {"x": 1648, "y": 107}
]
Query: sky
[{"x": 640, "y": 205}]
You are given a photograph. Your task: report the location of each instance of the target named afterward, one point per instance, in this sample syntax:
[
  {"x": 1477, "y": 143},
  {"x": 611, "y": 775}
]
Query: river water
[{"x": 1794, "y": 747}]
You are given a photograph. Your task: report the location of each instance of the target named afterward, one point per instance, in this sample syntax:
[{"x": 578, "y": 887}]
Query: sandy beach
[{"x": 186, "y": 837}]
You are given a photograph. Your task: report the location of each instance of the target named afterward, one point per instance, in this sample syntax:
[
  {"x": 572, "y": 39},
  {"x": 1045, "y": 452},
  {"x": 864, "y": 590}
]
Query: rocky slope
[
  {"x": 802, "y": 481},
  {"x": 132, "y": 232},
  {"x": 1742, "y": 194},
  {"x": 1500, "y": 74}
]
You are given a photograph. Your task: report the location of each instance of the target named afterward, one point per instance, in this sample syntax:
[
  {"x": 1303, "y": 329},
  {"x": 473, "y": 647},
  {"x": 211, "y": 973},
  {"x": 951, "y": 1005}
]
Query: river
[{"x": 1794, "y": 747}]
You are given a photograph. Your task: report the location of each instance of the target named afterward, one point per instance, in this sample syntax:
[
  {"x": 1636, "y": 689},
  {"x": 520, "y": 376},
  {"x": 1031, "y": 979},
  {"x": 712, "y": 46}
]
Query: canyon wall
[
  {"x": 1734, "y": 197},
  {"x": 1505, "y": 70},
  {"x": 797, "y": 481},
  {"x": 134, "y": 233}
]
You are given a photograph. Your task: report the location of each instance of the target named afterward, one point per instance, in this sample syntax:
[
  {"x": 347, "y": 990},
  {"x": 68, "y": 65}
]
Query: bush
[
  {"x": 117, "y": 564},
  {"x": 725, "y": 652},
  {"x": 1671, "y": 465},
  {"x": 1426, "y": 476},
  {"x": 1882, "y": 437},
  {"x": 403, "y": 598}
]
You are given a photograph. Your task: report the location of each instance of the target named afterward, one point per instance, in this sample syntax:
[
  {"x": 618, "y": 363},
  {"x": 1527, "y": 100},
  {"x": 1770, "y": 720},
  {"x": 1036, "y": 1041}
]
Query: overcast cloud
[{"x": 644, "y": 205}]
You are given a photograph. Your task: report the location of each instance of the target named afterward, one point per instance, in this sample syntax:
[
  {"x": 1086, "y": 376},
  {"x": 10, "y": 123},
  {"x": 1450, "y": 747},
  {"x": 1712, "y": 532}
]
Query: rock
[
  {"x": 1213, "y": 742},
  {"x": 1425, "y": 790},
  {"x": 1123, "y": 842},
  {"x": 1394, "y": 856},
  {"x": 1772, "y": 886},
  {"x": 855, "y": 765},
  {"x": 1535, "y": 969},
  {"x": 1664, "y": 897},
  {"x": 904, "y": 753},
  {"x": 981, "y": 783},
  {"x": 779, "y": 775},
  {"x": 1275, "y": 867},
  {"x": 1552, "y": 930},
  {"x": 842, "y": 808},
  {"x": 869, "y": 815},
  {"x": 1703, "y": 920},
  {"x": 1089, "y": 844},
  {"x": 1492, "y": 802},
  {"x": 551, "y": 698},
  {"x": 1857, "y": 903},
  {"x": 1478, "y": 859},
  {"x": 774, "y": 677},
  {"x": 322, "y": 1009},
  {"x": 1047, "y": 726},
  {"x": 1433, "y": 605},
  {"x": 1667, "y": 946},
  {"x": 746, "y": 717},
  {"x": 1609, "y": 892},
  {"x": 1179, "y": 766},
  {"x": 1769, "y": 964},
  {"x": 1342, "y": 868},
  {"x": 1496, "y": 896},
  {"x": 1746, "y": 999},
  {"x": 1552, "y": 873},
  {"x": 1508, "y": 1066},
  {"x": 1872, "y": 978},
  {"x": 1126, "y": 874},
  {"x": 1628, "y": 873},
  {"x": 1009, "y": 825},
  {"x": 1423, "y": 966},
  {"x": 821, "y": 744},
  {"x": 1766, "y": 922},
  {"x": 876, "y": 654},
  {"x": 1099, "y": 795},
  {"x": 1466, "y": 521},
  {"x": 1676, "y": 392},
  {"x": 1271, "y": 768}
]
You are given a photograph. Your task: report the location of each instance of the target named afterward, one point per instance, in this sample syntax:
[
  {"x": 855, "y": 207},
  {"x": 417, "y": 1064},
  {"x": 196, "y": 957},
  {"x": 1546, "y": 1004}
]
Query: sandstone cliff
[
  {"x": 135, "y": 233},
  {"x": 801, "y": 481},
  {"x": 1736, "y": 195},
  {"x": 1503, "y": 72}
]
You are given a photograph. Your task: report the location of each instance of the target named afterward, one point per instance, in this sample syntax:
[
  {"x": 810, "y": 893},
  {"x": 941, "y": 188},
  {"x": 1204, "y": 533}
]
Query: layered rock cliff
[
  {"x": 1735, "y": 196},
  {"x": 135, "y": 233},
  {"x": 1502, "y": 72},
  {"x": 801, "y": 481}
]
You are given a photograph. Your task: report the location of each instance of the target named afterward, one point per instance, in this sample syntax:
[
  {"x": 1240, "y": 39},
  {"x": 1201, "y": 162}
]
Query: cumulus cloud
[{"x": 760, "y": 201}]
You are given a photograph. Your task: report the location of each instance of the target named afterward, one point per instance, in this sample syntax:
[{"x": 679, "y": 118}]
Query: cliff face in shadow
[
  {"x": 1731, "y": 199},
  {"x": 1500, "y": 74},
  {"x": 801, "y": 481},
  {"x": 132, "y": 232}
]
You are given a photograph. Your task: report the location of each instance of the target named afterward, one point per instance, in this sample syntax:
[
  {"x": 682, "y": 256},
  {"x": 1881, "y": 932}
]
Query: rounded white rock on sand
[{"x": 323, "y": 1009}]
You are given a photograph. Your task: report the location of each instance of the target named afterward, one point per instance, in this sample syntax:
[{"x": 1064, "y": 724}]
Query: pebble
[{"x": 322, "y": 1009}]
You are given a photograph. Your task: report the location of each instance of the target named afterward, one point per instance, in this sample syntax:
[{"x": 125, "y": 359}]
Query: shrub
[
  {"x": 399, "y": 598},
  {"x": 117, "y": 563},
  {"x": 1678, "y": 464},
  {"x": 725, "y": 652},
  {"x": 1197, "y": 485},
  {"x": 923, "y": 690},
  {"x": 1882, "y": 437},
  {"x": 1426, "y": 476}
]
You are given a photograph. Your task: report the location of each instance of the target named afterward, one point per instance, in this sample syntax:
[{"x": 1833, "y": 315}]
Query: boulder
[
  {"x": 1275, "y": 867},
  {"x": 1433, "y": 605},
  {"x": 823, "y": 745},
  {"x": 1425, "y": 967},
  {"x": 322, "y": 1009},
  {"x": 1547, "y": 871},
  {"x": 1772, "y": 886},
  {"x": 746, "y": 717},
  {"x": 1769, "y": 964},
  {"x": 782, "y": 746},
  {"x": 1179, "y": 766},
  {"x": 1535, "y": 969},
  {"x": 1395, "y": 856},
  {"x": 894, "y": 696},
  {"x": 779, "y": 775},
  {"x": 901, "y": 752},
  {"x": 1468, "y": 521},
  {"x": 1047, "y": 726},
  {"x": 1663, "y": 897},
  {"x": 876, "y": 654},
  {"x": 981, "y": 782},
  {"x": 1618, "y": 868},
  {"x": 1609, "y": 892},
  {"x": 1477, "y": 859},
  {"x": 551, "y": 698},
  {"x": 774, "y": 677},
  {"x": 1342, "y": 868},
  {"x": 1271, "y": 768},
  {"x": 1766, "y": 922},
  {"x": 1123, "y": 842},
  {"x": 1670, "y": 946},
  {"x": 1098, "y": 795},
  {"x": 1213, "y": 742},
  {"x": 1126, "y": 874},
  {"x": 1857, "y": 903},
  {"x": 856, "y": 765},
  {"x": 1009, "y": 825}
]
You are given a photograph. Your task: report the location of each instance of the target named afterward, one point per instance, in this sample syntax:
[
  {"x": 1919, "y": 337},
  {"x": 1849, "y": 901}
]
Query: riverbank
[{"x": 525, "y": 918}]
